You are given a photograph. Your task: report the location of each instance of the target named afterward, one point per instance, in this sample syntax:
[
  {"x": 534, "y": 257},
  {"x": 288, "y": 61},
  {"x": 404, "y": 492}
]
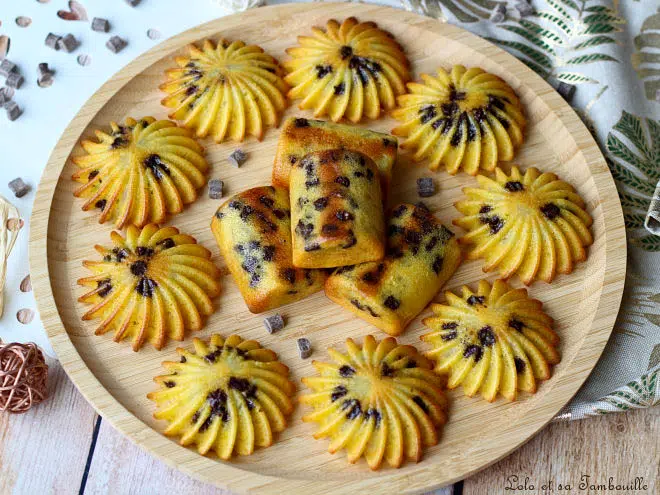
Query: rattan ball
[{"x": 23, "y": 375}]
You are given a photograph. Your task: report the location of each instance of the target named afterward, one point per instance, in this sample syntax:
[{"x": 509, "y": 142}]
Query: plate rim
[{"x": 234, "y": 477}]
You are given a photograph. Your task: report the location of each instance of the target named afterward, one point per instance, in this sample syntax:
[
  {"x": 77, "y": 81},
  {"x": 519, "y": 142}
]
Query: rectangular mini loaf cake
[
  {"x": 253, "y": 231},
  {"x": 336, "y": 210},
  {"x": 302, "y": 136},
  {"x": 422, "y": 254}
]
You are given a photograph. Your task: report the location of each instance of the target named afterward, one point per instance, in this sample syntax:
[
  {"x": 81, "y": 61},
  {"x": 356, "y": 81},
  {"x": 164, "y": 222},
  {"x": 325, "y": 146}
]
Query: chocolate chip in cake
[
  {"x": 486, "y": 336},
  {"x": 343, "y": 215},
  {"x": 101, "y": 25},
  {"x": 237, "y": 158},
  {"x": 104, "y": 287},
  {"x": 473, "y": 350},
  {"x": 68, "y": 43},
  {"x": 289, "y": 274},
  {"x": 425, "y": 187},
  {"x": 240, "y": 384},
  {"x": 519, "y": 364},
  {"x": 139, "y": 268},
  {"x": 516, "y": 324},
  {"x": 550, "y": 210},
  {"x": 485, "y": 209},
  {"x": 323, "y": 70},
  {"x": 304, "y": 347},
  {"x": 167, "y": 243},
  {"x": 420, "y": 402},
  {"x": 304, "y": 230},
  {"x": 343, "y": 180},
  {"x": 300, "y": 122},
  {"x": 313, "y": 246},
  {"x": 345, "y": 51},
  {"x": 450, "y": 325},
  {"x": 215, "y": 188},
  {"x": 329, "y": 228},
  {"x": 373, "y": 413},
  {"x": 437, "y": 265},
  {"x": 274, "y": 323},
  {"x": 392, "y": 303},
  {"x": 269, "y": 253},
  {"x": 169, "y": 383},
  {"x": 116, "y": 44},
  {"x": 338, "y": 392},
  {"x": 340, "y": 88},
  {"x": 13, "y": 110},
  {"x": 386, "y": 370},
  {"x": 144, "y": 251},
  {"x": 514, "y": 186},
  {"x": 450, "y": 335},
  {"x": 18, "y": 187},
  {"x": 355, "y": 410},
  {"x": 320, "y": 204},
  {"x": 146, "y": 287},
  {"x": 52, "y": 41},
  {"x": 472, "y": 300},
  {"x": 346, "y": 371}
]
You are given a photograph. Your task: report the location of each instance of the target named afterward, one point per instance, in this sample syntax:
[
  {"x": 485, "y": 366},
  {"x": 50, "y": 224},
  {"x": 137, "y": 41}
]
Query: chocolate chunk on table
[
  {"x": 18, "y": 187},
  {"x": 101, "y": 25},
  {"x": 14, "y": 80},
  {"x": 215, "y": 188},
  {"x": 69, "y": 43},
  {"x": 237, "y": 158},
  {"x": 274, "y": 323},
  {"x": 116, "y": 44},
  {"x": 304, "y": 347},
  {"x": 425, "y": 187},
  {"x": 13, "y": 110},
  {"x": 7, "y": 67},
  {"x": 52, "y": 41}
]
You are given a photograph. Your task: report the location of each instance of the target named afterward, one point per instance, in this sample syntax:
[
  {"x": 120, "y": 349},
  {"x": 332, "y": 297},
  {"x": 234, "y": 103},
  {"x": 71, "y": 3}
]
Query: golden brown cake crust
[
  {"x": 422, "y": 254},
  {"x": 301, "y": 136},
  {"x": 253, "y": 231},
  {"x": 337, "y": 212}
]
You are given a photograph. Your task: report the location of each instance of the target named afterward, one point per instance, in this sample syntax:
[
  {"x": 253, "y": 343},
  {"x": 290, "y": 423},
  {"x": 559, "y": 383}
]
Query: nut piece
[
  {"x": 237, "y": 158},
  {"x": 18, "y": 187},
  {"x": 425, "y": 187},
  {"x": 116, "y": 44},
  {"x": 52, "y": 41},
  {"x": 215, "y": 188},
  {"x": 14, "y": 80},
  {"x": 7, "y": 67},
  {"x": 68, "y": 43},
  {"x": 274, "y": 323},
  {"x": 13, "y": 110},
  {"x": 101, "y": 25},
  {"x": 304, "y": 348}
]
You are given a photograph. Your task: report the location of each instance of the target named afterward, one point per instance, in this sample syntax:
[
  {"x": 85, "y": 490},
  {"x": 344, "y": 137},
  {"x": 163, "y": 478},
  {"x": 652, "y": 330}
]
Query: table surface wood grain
[{"x": 63, "y": 446}]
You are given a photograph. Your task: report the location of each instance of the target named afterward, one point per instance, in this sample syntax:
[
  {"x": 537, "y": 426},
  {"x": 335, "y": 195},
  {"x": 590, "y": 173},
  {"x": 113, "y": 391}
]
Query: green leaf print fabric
[{"x": 603, "y": 56}]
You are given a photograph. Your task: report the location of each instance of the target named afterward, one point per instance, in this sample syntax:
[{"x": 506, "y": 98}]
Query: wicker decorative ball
[{"x": 23, "y": 375}]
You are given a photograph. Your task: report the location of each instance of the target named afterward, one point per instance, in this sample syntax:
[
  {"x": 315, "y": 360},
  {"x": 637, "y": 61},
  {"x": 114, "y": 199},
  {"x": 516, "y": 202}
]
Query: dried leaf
[
  {"x": 4, "y": 46},
  {"x": 23, "y": 21},
  {"x": 26, "y": 284},
  {"x": 25, "y": 315},
  {"x": 76, "y": 12}
]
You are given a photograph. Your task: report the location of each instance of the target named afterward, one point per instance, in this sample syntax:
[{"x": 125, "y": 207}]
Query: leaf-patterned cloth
[{"x": 604, "y": 58}]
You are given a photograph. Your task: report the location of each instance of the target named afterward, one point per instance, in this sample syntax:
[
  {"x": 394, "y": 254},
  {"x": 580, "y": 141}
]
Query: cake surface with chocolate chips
[
  {"x": 422, "y": 254},
  {"x": 337, "y": 211},
  {"x": 253, "y": 232},
  {"x": 380, "y": 401},
  {"x": 151, "y": 286},
  {"x": 300, "y": 136},
  {"x": 228, "y": 396}
]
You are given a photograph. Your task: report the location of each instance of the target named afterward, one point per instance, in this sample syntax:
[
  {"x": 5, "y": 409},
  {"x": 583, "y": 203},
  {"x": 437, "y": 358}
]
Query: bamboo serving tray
[{"x": 115, "y": 380}]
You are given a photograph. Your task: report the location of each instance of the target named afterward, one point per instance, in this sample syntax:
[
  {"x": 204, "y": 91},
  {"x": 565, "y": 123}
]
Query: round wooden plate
[{"x": 115, "y": 380}]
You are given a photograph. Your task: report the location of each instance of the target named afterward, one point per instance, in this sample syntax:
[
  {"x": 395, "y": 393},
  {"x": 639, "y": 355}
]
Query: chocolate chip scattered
[
  {"x": 386, "y": 370},
  {"x": 519, "y": 364},
  {"x": 68, "y": 43},
  {"x": 373, "y": 413},
  {"x": 146, "y": 287},
  {"x": 550, "y": 210},
  {"x": 485, "y": 209},
  {"x": 567, "y": 91},
  {"x": 289, "y": 274},
  {"x": 7, "y": 67},
  {"x": 18, "y": 187},
  {"x": 104, "y": 287},
  {"x": 304, "y": 348},
  {"x": 116, "y": 44},
  {"x": 299, "y": 122},
  {"x": 329, "y": 228},
  {"x": 345, "y": 52},
  {"x": 437, "y": 265},
  {"x": 215, "y": 188},
  {"x": 450, "y": 325},
  {"x": 343, "y": 215},
  {"x": 320, "y": 204},
  {"x": 169, "y": 384},
  {"x": 167, "y": 243},
  {"x": 52, "y": 41},
  {"x": 269, "y": 253},
  {"x": 355, "y": 408},
  {"x": 323, "y": 70},
  {"x": 101, "y": 25},
  {"x": 450, "y": 335},
  {"x": 14, "y": 80},
  {"x": 346, "y": 371},
  {"x": 514, "y": 186},
  {"x": 420, "y": 402},
  {"x": 274, "y": 323},
  {"x": 314, "y": 246},
  {"x": 392, "y": 302},
  {"x": 344, "y": 181},
  {"x": 237, "y": 158},
  {"x": 101, "y": 203},
  {"x": 340, "y": 88},
  {"x": 139, "y": 268}
]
